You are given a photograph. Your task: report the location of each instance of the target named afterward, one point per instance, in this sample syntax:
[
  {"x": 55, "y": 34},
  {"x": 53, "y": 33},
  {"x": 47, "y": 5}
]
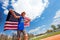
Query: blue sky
[{"x": 42, "y": 19}]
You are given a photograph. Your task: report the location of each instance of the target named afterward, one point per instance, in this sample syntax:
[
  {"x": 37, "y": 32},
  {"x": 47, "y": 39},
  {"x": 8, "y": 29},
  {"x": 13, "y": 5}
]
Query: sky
[{"x": 43, "y": 13}]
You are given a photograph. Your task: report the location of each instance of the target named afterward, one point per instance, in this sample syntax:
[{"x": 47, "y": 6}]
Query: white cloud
[
  {"x": 57, "y": 14},
  {"x": 12, "y": 1},
  {"x": 2, "y": 33},
  {"x": 33, "y": 8},
  {"x": 4, "y": 6},
  {"x": 34, "y": 30},
  {"x": 6, "y": 11},
  {"x": 15, "y": 32},
  {"x": 37, "y": 30},
  {"x": 5, "y": 3},
  {"x": 56, "y": 20}
]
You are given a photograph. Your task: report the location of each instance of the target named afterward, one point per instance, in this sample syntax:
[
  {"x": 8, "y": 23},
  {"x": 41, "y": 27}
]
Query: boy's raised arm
[{"x": 12, "y": 12}]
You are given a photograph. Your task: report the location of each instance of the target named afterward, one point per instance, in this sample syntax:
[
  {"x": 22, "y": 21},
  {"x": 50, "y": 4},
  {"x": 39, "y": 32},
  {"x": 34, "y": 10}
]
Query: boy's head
[{"x": 23, "y": 14}]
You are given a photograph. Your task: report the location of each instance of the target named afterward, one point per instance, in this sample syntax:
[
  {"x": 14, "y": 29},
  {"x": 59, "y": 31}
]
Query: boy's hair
[{"x": 23, "y": 13}]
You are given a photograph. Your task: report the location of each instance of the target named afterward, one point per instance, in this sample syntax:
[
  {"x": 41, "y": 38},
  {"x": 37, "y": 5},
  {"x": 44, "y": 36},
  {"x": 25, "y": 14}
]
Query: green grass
[{"x": 46, "y": 35}]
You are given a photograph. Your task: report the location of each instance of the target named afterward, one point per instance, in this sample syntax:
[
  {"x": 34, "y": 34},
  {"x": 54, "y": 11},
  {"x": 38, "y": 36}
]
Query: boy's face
[{"x": 23, "y": 14}]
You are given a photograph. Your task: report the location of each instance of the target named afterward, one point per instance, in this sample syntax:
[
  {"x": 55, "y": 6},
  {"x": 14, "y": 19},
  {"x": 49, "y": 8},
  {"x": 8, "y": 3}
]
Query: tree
[
  {"x": 14, "y": 36},
  {"x": 3, "y": 37},
  {"x": 58, "y": 26},
  {"x": 30, "y": 35},
  {"x": 48, "y": 31},
  {"x": 54, "y": 27}
]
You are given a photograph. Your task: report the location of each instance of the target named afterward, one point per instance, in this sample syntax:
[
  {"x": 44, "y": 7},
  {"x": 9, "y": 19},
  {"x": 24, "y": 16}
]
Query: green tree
[
  {"x": 54, "y": 27},
  {"x": 58, "y": 26}
]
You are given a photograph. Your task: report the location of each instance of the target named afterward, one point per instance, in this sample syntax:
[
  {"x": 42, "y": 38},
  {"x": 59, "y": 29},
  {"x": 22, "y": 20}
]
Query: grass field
[{"x": 45, "y": 35}]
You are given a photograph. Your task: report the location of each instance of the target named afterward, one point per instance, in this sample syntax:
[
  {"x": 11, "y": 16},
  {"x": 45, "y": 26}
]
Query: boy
[{"x": 20, "y": 24}]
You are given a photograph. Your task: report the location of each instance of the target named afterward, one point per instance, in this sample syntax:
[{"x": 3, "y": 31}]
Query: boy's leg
[
  {"x": 18, "y": 35},
  {"x": 25, "y": 35}
]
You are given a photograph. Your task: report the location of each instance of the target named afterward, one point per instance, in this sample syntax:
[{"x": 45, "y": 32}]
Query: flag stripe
[
  {"x": 16, "y": 23},
  {"x": 13, "y": 25},
  {"x": 10, "y": 22},
  {"x": 10, "y": 28}
]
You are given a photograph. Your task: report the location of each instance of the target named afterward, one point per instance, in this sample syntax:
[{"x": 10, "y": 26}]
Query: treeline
[
  {"x": 13, "y": 37},
  {"x": 54, "y": 28}
]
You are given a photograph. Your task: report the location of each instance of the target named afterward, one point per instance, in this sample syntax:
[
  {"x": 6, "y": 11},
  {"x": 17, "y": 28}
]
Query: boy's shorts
[{"x": 19, "y": 33}]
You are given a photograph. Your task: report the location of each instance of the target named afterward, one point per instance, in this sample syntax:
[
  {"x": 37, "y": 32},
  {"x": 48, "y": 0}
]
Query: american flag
[{"x": 12, "y": 23}]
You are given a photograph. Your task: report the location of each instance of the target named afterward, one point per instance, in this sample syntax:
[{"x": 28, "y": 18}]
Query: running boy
[{"x": 20, "y": 24}]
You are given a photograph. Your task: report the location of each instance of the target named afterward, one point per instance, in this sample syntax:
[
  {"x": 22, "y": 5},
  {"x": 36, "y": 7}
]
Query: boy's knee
[{"x": 26, "y": 35}]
